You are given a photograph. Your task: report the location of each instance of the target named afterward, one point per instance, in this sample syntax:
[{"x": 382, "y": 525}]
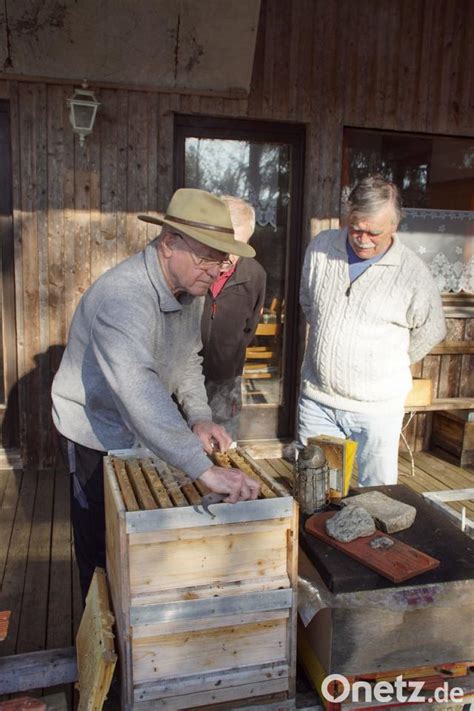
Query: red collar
[{"x": 219, "y": 283}]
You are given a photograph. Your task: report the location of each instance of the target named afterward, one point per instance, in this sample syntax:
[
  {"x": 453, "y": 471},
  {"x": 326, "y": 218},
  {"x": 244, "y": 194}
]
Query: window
[{"x": 436, "y": 177}]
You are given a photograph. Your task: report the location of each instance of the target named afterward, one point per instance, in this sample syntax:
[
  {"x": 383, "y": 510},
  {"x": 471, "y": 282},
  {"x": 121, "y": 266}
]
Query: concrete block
[{"x": 390, "y": 515}]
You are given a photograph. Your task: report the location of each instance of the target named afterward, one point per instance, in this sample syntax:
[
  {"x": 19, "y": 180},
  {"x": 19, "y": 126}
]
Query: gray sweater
[
  {"x": 363, "y": 336},
  {"x": 132, "y": 345}
]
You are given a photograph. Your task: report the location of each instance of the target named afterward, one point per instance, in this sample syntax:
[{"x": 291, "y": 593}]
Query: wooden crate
[
  {"x": 453, "y": 433},
  {"x": 421, "y": 393},
  {"x": 205, "y": 602}
]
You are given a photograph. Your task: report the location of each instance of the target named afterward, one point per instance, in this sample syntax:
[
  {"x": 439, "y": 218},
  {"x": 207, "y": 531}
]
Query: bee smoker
[{"x": 312, "y": 479}]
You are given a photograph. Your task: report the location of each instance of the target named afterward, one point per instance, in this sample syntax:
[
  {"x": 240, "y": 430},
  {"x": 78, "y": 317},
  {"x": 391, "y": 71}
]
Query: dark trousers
[{"x": 85, "y": 467}]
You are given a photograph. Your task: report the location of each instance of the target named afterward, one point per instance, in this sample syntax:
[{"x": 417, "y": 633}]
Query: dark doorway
[
  {"x": 262, "y": 163},
  {"x": 8, "y": 363}
]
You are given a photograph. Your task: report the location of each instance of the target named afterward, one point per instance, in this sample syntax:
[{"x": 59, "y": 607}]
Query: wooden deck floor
[
  {"x": 434, "y": 474},
  {"x": 38, "y": 576},
  {"x": 39, "y": 581}
]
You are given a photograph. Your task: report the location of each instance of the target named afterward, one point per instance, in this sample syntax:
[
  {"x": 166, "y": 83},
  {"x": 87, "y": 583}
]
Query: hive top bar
[{"x": 147, "y": 483}]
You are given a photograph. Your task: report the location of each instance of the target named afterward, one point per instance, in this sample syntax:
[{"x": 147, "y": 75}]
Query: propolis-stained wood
[
  {"x": 204, "y": 599},
  {"x": 96, "y": 656}
]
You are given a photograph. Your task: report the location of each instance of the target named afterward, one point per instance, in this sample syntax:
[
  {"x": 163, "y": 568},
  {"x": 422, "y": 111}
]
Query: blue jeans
[{"x": 377, "y": 437}]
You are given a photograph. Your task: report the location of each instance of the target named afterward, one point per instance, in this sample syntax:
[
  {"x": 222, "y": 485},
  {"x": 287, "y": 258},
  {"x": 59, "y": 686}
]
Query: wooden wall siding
[{"x": 404, "y": 64}]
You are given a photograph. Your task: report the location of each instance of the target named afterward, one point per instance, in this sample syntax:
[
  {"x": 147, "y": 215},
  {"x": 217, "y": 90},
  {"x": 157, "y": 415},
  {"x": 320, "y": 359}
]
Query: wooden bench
[{"x": 444, "y": 403}]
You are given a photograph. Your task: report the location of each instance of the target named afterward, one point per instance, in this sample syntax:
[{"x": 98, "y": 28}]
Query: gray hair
[
  {"x": 242, "y": 213},
  {"x": 372, "y": 194}
]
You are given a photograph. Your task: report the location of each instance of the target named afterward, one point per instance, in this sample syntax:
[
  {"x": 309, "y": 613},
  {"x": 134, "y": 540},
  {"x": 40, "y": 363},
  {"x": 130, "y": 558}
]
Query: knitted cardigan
[{"x": 363, "y": 336}]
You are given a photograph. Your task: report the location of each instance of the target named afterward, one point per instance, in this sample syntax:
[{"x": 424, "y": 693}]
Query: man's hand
[
  {"x": 234, "y": 484},
  {"x": 209, "y": 433}
]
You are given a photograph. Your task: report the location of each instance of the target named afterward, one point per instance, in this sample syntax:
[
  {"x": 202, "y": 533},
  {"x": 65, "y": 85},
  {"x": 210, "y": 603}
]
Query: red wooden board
[
  {"x": 398, "y": 563},
  {"x": 23, "y": 703},
  {"x": 4, "y": 621}
]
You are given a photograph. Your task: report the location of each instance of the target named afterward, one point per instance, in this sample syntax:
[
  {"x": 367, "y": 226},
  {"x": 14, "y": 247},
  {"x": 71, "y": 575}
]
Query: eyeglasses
[{"x": 205, "y": 262}]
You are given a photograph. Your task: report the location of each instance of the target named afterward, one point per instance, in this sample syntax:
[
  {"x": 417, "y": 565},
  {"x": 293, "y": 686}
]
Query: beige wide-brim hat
[{"x": 205, "y": 218}]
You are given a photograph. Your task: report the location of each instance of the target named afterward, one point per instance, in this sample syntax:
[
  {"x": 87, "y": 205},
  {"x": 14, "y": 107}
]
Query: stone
[
  {"x": 381, "y": 542},
  {"x": 390, "y": 515},
  {"x": 350, "y": 523}
]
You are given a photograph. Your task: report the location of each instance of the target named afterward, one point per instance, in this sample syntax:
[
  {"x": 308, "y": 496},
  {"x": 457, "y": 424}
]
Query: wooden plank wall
[{"x": 404, "y": 64}]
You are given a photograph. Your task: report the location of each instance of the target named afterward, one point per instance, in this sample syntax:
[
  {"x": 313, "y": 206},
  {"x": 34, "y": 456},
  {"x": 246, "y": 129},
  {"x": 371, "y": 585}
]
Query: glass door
[{"x": 263, "y": 164}]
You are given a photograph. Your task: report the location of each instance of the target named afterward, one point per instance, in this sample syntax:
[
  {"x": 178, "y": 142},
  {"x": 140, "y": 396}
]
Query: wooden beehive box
[
  {"x": 453, "y": 434},
  {"x": 205, "y": 601}
]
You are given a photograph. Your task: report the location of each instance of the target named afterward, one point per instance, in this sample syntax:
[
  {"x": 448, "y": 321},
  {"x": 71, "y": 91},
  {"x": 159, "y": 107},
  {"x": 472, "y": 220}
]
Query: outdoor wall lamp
[{"x": 82, "y": 110}]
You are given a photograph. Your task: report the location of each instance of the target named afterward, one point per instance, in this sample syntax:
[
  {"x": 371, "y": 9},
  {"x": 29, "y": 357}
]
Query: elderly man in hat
[
  {"x": 133, "y": 345},
  {"x": 373, "y": 308}
]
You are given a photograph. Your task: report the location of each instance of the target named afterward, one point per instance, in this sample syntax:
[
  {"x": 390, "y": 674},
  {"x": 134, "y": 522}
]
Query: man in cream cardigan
[{"x": 373, "y": 308}]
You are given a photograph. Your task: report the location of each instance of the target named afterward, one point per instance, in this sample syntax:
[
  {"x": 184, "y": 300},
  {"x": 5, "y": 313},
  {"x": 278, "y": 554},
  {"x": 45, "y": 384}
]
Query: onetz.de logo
[{"x": 336, "y": 688}]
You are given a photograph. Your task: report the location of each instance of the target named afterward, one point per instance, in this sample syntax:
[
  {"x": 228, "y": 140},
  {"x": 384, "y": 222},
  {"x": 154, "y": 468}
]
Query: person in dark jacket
[{"x": 232, "y": 309}]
